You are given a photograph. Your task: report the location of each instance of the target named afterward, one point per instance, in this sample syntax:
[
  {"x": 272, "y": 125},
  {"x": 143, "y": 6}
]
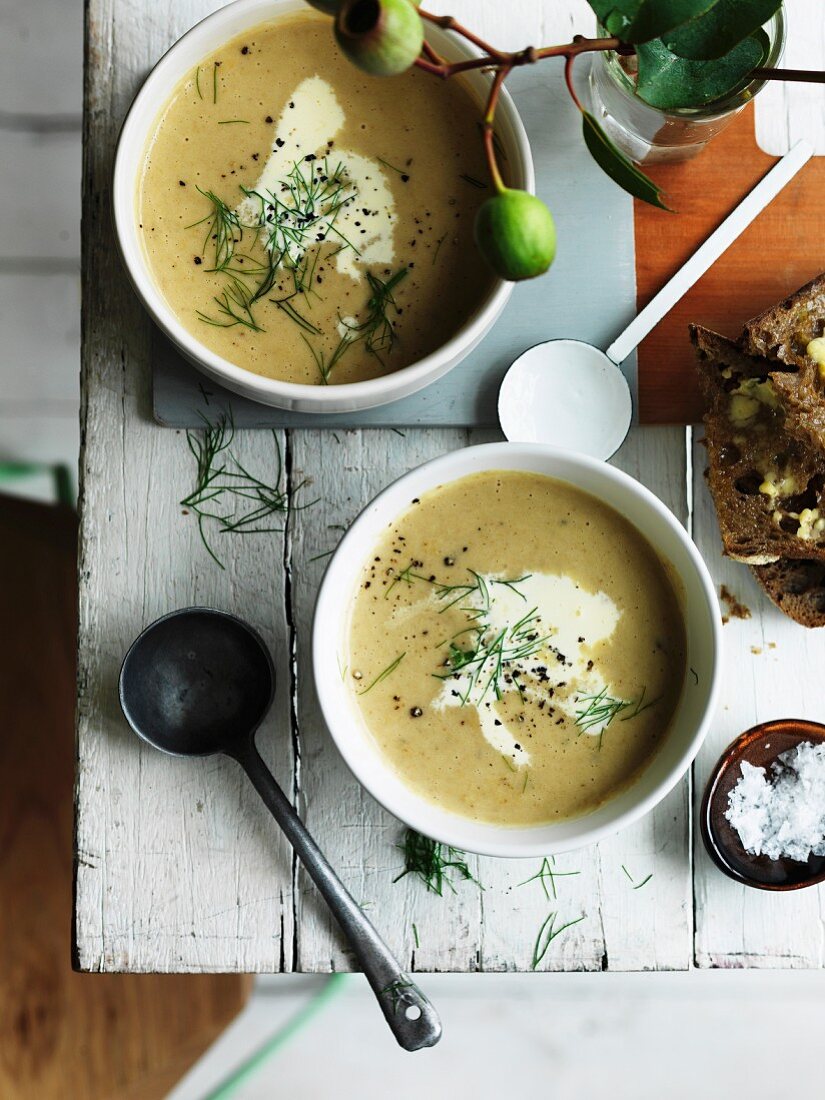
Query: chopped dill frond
[
  {"x": 434, "y": 863},
  {"x": 392, "y": 167},
  {"x": 292, "y": 223},
  {"x": 223, "y": 227},
  {"x": 289, "y": 309},
  {"x": 602, "y": 708},
  {"x": 637, "y": 885},
  {"x": 547, "y": 872},
  {"x": 473, "y": 182},
  {"x": 227, "y": 494},
  {"x": 396, "y": 992},
  {"x": 547, "y": 933},
  {"x": 235, "y": 304},
  {"x": 377, "y": 330},
  {"x": 489, "y": 655},
  {"x": 388, "y": 671}
]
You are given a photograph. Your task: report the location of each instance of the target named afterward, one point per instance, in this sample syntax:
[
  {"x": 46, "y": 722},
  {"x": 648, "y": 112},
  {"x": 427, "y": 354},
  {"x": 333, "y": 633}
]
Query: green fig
[
  {"x": 515, "y": 234},
  {"x": 382, "y": 37}
]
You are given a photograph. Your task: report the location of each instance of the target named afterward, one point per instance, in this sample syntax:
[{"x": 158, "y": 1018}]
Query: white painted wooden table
[{"x": 179, "y": 867}]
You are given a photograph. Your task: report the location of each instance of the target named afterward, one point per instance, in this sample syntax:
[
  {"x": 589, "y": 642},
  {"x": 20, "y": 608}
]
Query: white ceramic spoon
[{"x": 573, "y": 395}]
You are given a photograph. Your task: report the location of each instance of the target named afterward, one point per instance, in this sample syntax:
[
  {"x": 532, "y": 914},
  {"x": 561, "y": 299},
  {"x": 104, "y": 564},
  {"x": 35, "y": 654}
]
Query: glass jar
[{"x": 647, "y": 134}]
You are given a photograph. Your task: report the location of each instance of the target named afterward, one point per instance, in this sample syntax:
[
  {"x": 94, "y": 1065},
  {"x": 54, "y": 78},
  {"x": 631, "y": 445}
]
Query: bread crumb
[
  {"x": 735, "y": 609},
  {"x": 756, "y": 649}
]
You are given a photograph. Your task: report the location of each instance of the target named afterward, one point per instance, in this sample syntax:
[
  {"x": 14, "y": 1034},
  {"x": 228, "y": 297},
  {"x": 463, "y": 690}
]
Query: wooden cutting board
[{"x": 783, "y": 249}]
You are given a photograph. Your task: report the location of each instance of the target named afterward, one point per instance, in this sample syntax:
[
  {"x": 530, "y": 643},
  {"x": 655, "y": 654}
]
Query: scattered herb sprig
[
  {"x": 388, "y": 671},
  {"x": 396, "y": 992},
  {"x": 489, "y": 654},
  {"x": 288, "y": 224},
  {"x": 637, "y": 885},
  {"x": 292, "y": 223},
  {"x": 547, "y": 933},
  {"x": 434, "y": 863},
  {"x": 548, "y": 873},
  {"x": 601, "y": 709},
  {"x": 377, "y": 330},
  {"x": 227, "y": 494}
]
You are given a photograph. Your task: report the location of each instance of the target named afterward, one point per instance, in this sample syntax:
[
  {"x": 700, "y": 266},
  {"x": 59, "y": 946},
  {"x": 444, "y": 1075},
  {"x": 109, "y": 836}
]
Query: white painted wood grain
[
  {"x": 179, "y": 867},
  {"x": 786, "y": 112}
]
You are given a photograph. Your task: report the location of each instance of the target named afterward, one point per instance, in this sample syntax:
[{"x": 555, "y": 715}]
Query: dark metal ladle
[{"x": 199, "y": 682}]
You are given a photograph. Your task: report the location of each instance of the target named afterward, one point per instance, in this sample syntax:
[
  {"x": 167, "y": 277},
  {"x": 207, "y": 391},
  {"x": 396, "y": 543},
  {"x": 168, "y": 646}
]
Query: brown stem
[
  {"x": 527, "y": 56},
  {"x": 802, "y": 75},
  {"x": 449, "y": 23},
  {"x": 581, "y": 45},
  {"x": 430, "y": 53},
  {"x": 430, "y": 67},
  {"x": 489, "y": 128},
  {"x": 568, "y": 79}
]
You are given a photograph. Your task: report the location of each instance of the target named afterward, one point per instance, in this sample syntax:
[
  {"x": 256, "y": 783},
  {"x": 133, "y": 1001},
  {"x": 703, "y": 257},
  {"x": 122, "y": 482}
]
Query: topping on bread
[
  {"x": 767, "y": 484},
  {"x": 792, "y": 336}
]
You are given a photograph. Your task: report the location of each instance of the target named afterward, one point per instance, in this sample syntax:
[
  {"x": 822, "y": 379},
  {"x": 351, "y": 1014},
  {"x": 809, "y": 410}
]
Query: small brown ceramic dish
[{"x": 758, "y": 746}]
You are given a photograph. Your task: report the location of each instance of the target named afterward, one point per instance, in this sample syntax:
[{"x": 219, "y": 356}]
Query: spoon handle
[
  {"x": 412, "y": 1019},
  {"x": 708, "y": 253}
]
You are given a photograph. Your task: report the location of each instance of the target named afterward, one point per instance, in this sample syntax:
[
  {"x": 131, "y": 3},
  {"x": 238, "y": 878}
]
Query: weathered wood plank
[
  {"x": 179, "y": 866},
  {"x": 772, "y": 669}
]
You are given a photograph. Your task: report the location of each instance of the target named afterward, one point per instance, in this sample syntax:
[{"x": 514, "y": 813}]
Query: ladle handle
[{"x": 412, "y": 1019}]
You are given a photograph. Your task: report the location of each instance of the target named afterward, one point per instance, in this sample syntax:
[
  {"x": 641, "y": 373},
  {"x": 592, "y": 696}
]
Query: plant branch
[
  {"x": 496, "y": 59},
  {"x": 489, "y": 128},
  {"x": 802, "y": 75},
  {"x": 568, "y": 79},
  {"x": 449, "y": 23},
  {"x": 430, "y": 53}
]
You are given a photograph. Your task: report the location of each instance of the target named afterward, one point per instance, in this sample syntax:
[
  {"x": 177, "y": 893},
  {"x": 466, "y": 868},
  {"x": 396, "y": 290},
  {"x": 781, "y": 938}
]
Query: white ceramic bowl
[
  {"x": 693, "y": 714},
  {"x": 181, "y": 59}
]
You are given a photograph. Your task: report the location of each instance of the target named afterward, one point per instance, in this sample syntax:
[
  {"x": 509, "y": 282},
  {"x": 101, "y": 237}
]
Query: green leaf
[
  {"x": 640, "y": 20},
  {"x": 668, "y": 82},
  {"x": 620, "y": 169},
  {"x": 615, "y": 15},
  {"x": 715, "y": 33}
]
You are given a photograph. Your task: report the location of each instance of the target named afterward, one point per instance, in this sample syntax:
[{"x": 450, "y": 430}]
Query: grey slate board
[{"x": 589, "y": 293}]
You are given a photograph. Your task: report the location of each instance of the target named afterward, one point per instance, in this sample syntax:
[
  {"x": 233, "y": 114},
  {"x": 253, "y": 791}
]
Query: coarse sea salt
[{"x": 782, "y": 814}]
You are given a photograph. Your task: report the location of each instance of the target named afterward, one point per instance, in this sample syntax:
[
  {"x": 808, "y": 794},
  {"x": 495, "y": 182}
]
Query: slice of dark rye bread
[
  {"x": 796, "y": 587},
  {"x": 782, "y": 335},
  {"x": 784, "y": 331},
  {"x": 768, "y": 484}
]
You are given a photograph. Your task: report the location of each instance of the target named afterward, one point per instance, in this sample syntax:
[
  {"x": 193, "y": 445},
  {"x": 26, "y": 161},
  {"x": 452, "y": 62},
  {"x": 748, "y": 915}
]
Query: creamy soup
[
  {"x": 309, "y": 222},
  {"x": 517, "y": 648}
]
